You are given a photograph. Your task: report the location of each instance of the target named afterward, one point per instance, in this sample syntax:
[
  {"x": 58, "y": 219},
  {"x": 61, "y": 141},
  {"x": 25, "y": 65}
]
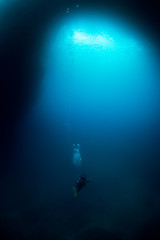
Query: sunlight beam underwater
[
  {"x": 102, "y": 40},
  {"x": 103, "y": 75}
]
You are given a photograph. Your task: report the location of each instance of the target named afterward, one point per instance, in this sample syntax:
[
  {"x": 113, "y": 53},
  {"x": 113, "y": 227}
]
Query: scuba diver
[{"x": 80, "y": 183}]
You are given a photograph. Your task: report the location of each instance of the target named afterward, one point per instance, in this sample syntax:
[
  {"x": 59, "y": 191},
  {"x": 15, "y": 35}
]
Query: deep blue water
[{"x": 99, "y": 89}]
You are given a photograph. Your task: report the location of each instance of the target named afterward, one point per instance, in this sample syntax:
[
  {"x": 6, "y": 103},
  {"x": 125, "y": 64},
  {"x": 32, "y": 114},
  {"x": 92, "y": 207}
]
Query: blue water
[
  {"x": 104, "y": 81},
  {"x": 100, "y": 90}
]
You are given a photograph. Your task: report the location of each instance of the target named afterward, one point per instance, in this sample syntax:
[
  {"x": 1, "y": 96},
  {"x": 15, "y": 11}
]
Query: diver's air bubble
[
  {"x": 67, "y": 10},
  {"x": 77, "y": 160}
]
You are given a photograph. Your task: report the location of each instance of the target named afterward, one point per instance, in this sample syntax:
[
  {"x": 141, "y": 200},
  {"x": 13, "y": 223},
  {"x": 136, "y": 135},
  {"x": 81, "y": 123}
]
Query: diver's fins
[{"x": 75, "y": 192}]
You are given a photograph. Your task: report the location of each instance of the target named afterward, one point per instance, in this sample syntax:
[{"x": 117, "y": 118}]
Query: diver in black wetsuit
[{"x": 81, "y": 182}]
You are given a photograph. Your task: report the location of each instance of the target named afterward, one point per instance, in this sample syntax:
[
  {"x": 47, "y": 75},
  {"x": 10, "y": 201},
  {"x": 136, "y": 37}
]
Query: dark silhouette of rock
[{"x": 97, "y": 234}]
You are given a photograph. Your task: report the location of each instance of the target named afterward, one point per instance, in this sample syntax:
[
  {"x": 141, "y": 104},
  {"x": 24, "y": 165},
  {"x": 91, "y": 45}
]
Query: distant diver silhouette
[{"x": 80, "y": 183}]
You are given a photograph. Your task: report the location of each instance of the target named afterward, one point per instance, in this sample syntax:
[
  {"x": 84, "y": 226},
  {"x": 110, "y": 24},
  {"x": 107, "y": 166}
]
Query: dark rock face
[
  {"x": 150, "y": 230},
  {"x": 97, "y": 233}
]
